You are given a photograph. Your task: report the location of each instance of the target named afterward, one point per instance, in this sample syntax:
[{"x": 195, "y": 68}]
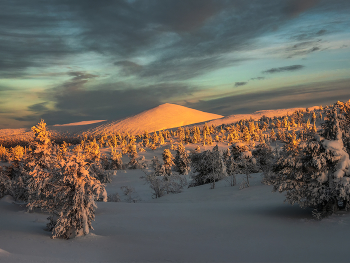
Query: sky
[{"x": 76, "y": 60}]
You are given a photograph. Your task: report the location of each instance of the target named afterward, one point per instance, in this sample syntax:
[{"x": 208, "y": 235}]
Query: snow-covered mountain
[{"x": 165, "y": 116}]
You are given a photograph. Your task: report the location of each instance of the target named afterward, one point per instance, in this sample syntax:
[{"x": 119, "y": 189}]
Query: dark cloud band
[{"x": 283, "y": 69}]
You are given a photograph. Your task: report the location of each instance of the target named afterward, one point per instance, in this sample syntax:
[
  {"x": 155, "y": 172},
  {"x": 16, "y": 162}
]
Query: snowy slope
[
  {"x": 76, "y": 127},
  {"x": 165, "y": 116},
  {"x": 257, "y": 115},
  {"x": 78, "y": 123}
]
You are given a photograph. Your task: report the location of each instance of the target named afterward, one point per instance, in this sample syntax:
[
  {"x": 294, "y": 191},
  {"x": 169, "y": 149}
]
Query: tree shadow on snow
[{"x": 286, "y": 211}]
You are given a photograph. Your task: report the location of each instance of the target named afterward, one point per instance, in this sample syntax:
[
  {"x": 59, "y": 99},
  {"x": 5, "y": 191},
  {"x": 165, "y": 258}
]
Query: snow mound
[
  {"x": 165, "y": 116},
  {"x": 7, "y": 199}
]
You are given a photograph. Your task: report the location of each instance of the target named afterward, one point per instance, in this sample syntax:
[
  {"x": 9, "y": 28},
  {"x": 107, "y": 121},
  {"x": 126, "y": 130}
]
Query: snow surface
[{"x": 224, "y": 224}]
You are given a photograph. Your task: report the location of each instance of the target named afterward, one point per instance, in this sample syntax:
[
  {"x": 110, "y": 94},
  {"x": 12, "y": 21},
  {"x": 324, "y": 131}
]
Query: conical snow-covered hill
[{"x": 165, "y": 116}]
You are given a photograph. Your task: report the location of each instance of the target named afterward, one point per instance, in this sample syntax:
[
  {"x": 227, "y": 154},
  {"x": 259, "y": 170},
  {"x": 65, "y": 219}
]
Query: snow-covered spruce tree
[
  {"x": 116, "y": 160},
  {"x": 246, "y": 135},
  {"x": 157, "y": 167},
  {"x": 155, "y": 138},
  {"x": 231, "y": 167},
  {"x": 161, "y": 138},
  {"x": 3, "y": 153},
  {"x": 208, "y": 167},
  {"x": 316, "y": 172},
  {"x": 174, "y": 182},
  {"x": 92, "y": 155},
  {"x": 182, "y": 160},
  {"x": 244, "y": 161},
  {"x": 133, "y": 155},
  {"x": 272, "y": 135},
  {"x": 64, "y": 187},
  {"x": 264, "y": 157},
  {"x": 168, "y": 160},
  {"x": 181, "y": 134},
  {"x": 39, "y": 162},
  {"x": 5, "y": 183},
  {"x": 68, "y": 194},
  {"x": 344, "y": 124}
]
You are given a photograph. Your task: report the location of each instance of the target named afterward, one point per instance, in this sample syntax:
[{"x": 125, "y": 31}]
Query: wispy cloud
[
  {"x": 237, "y": 84},
  {"x": 258, "y": 78},
  {"x": 283, "y": 69},
  {"x": 313, "y": 94}
]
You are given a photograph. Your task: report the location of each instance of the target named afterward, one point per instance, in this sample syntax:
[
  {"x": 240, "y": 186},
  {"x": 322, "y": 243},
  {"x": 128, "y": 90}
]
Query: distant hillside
[
  {"x": 257, "y": 115},
  {"x": 165, "y": 116}
]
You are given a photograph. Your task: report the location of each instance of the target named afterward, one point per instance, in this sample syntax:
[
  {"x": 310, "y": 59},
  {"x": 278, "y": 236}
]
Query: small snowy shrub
[
  {"x": 161, "y": 183},
  {"x": 113, "y": 198}
]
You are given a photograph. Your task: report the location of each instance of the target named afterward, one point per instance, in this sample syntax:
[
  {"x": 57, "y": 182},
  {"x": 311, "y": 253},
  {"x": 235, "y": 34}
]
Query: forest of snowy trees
[{"x": 305, "y": 155}]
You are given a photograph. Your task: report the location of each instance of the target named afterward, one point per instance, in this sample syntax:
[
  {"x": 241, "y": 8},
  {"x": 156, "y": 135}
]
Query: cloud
[
  {"x": 78, "y": 80},
  {"x": 295, "y": 7},
  {"x": 109, "y": 101},
  {"x": 322, "y": 93},
  {"x": 38, "y": 107},
  {"x": 237, "y": 84},
  {"x": 303, "y": 48},
  {"x": 282, "y": 69},
  {"x": 128, "y": 67},
  {"x": 178, "y": 34},
  {"x": 258, "y": 78},
  {"x": 152, "y": 41},
  {"x": 31, "y": 36}
]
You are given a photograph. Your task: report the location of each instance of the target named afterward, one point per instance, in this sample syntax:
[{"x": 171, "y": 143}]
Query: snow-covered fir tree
[
  {"x": 5, "y": 183},
  {"x": 316, "y": 173},
  {"x": 3, "y": 153},
  {"x": 116, "y": 158},
  {"x": 208, "y": 167},
  {"x": 168, "y": 160},
  {"x": 64, "y": 187},
  {"x": 182, "y": 160},
  {"x": 69, "y": 195},
  {"x": 133, "y": 155},
  {"x": 264, "y": 157},
  {"x": 246, "y": 135},
  {"x": 231, "y": 167}
]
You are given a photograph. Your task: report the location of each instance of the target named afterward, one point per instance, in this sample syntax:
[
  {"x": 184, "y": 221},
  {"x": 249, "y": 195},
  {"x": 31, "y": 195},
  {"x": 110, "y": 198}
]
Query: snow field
[{"x": 200, "y": 224}]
